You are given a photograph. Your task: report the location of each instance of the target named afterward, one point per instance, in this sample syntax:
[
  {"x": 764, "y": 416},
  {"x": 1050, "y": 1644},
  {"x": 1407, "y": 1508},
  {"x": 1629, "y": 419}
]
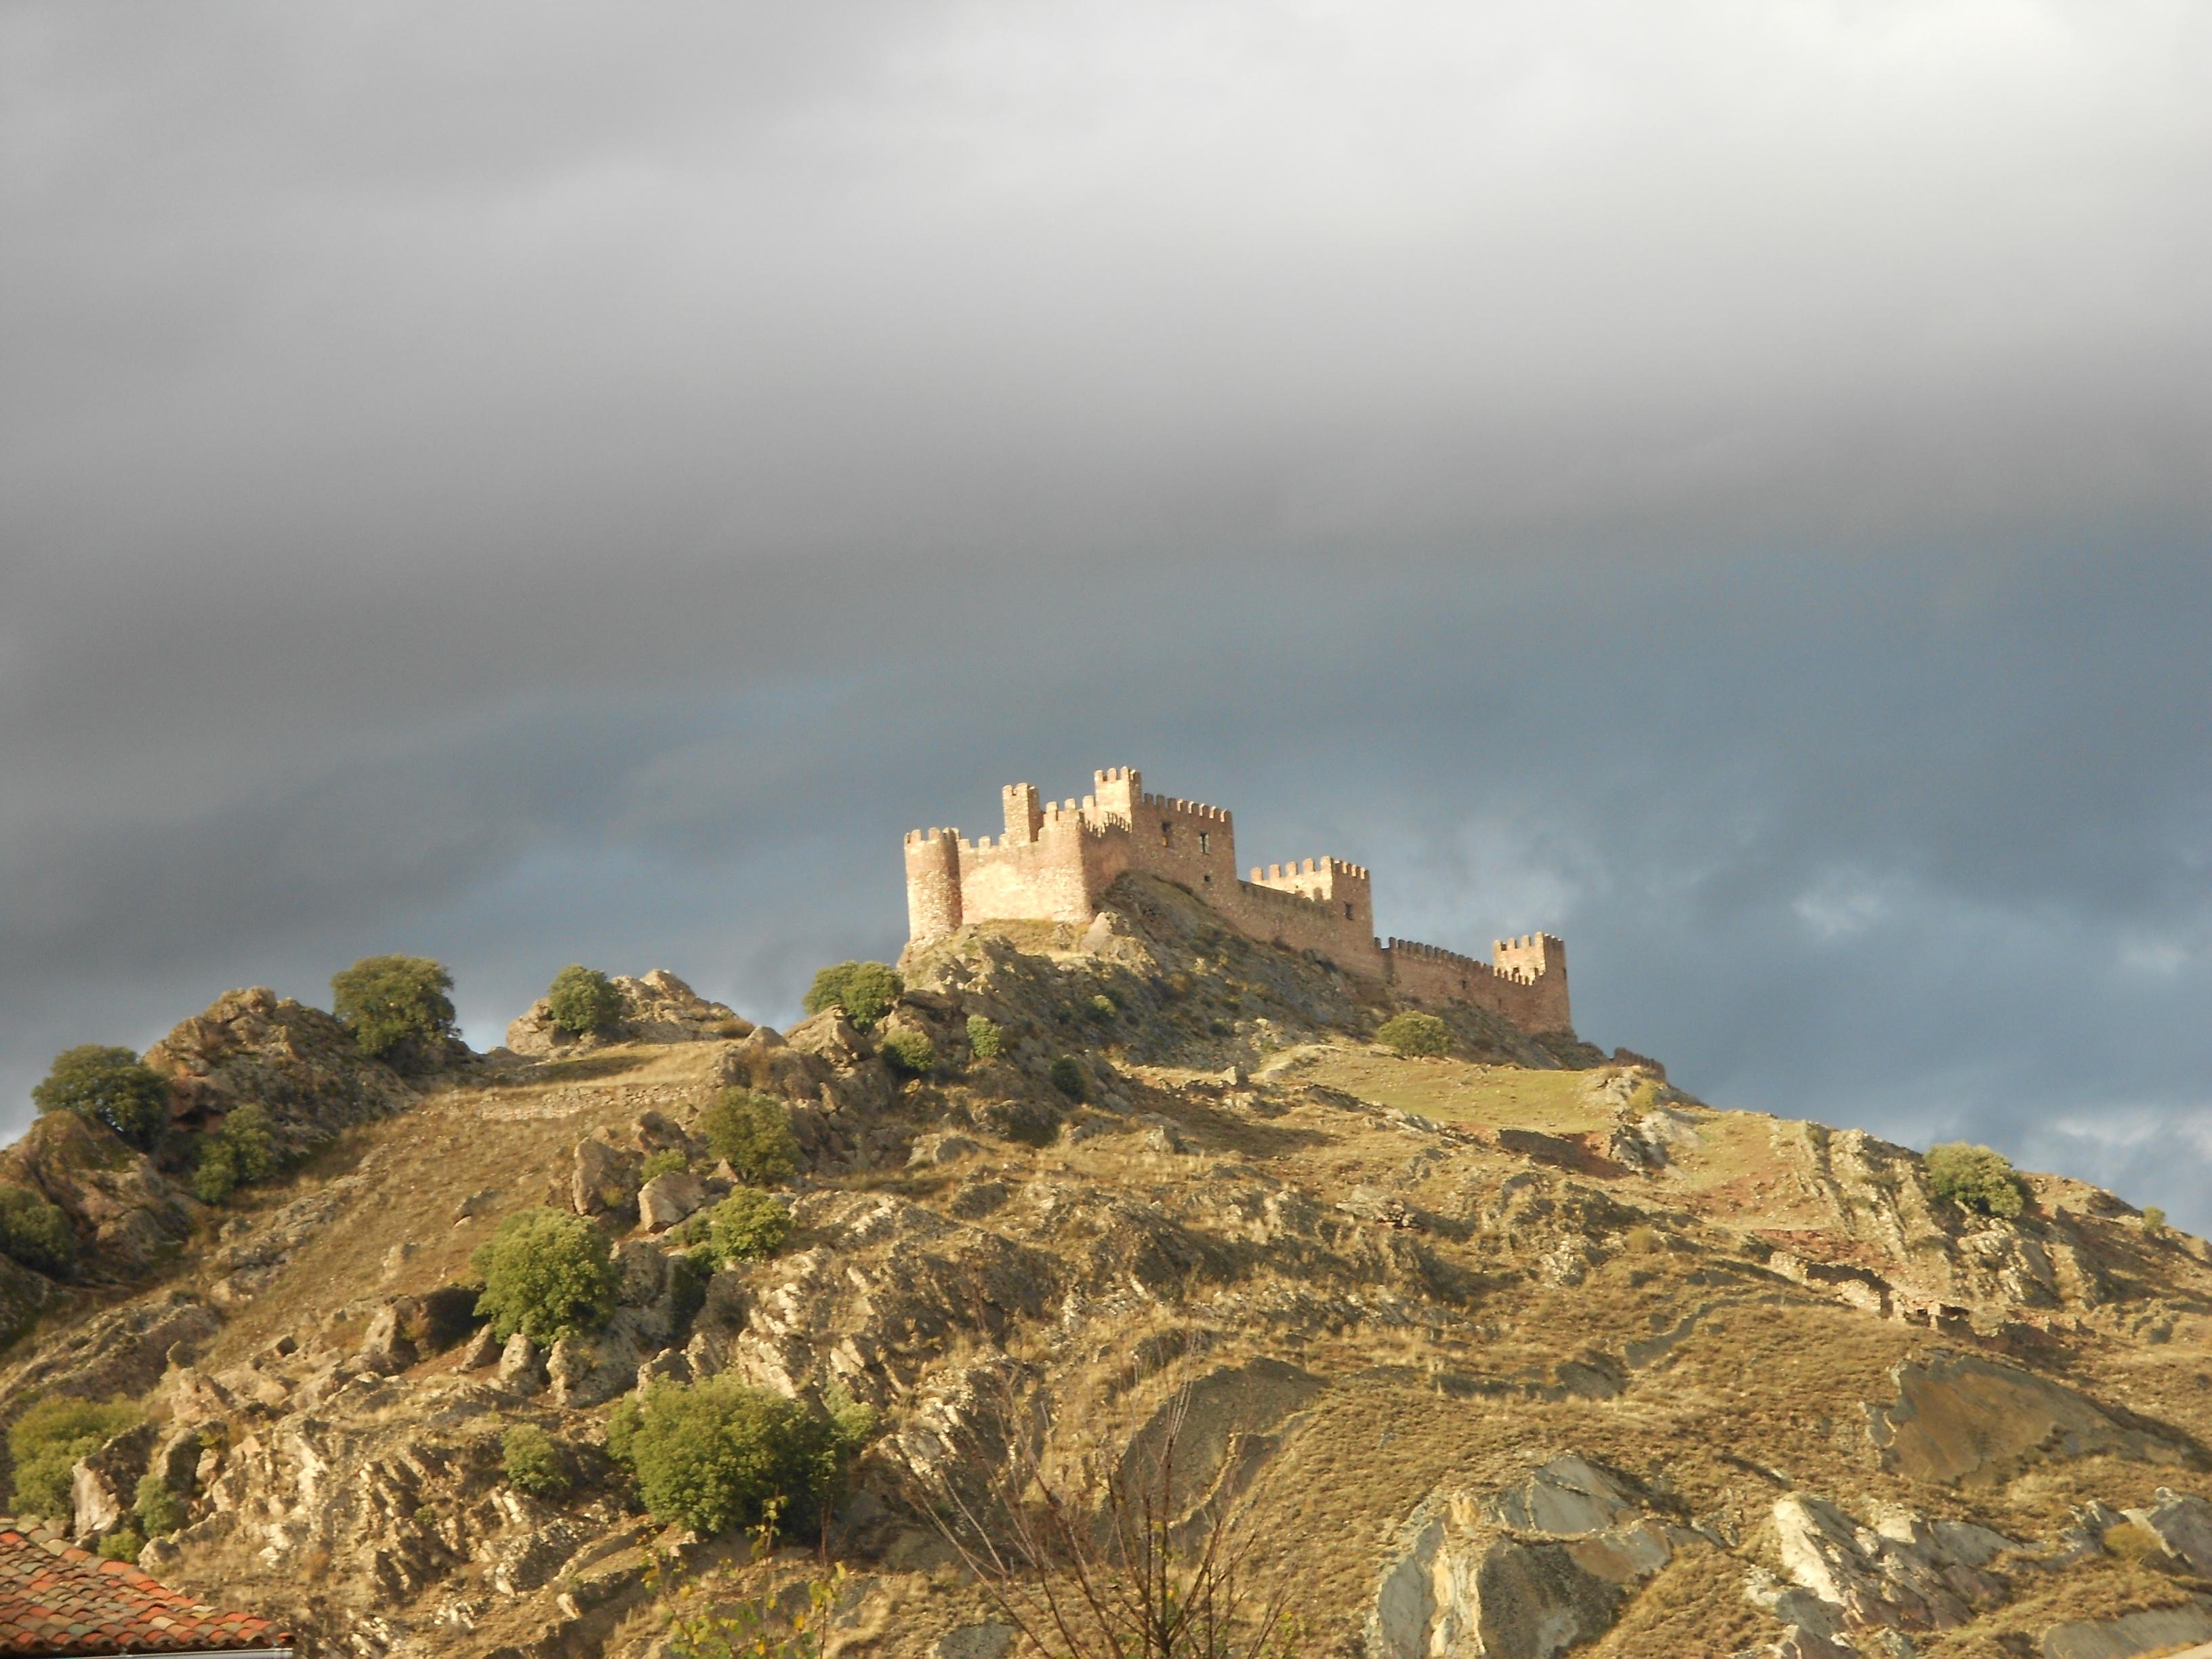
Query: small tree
[
  {"x": 397, "y": 1007},
  {"x": 1976, "y": 1178},
  {"x": 752, "y": 1133},
  {"x": 1067, "y": 1077},
  {"x": 1415, "y": 1035},
  {"x": 908, "y": 1053},
  {"x": 47, "y": 1439},
  {"x": 159, "y": 1511},
  {"x": 536, "y": 1463},
  {"x": 2153, "y": 1221},
  {"x": 110, "y": 1085},
  {"x": 546, "y": 1274},
  {"x": 669, "y": 1160},
  {"x": 746, "y": 1226},
  {"x": 718, "y": 1456},
  {"x": 863, "y": 990},
  {"x": 986, "y": 1041},
  {"x": 240, "y": 1152},
  {"x": 34, "y": 1232},
  {"x": 584, "y": 1001}
]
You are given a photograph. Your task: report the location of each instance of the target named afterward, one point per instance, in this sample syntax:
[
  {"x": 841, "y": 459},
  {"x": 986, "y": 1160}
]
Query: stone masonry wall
[{"x": 1056, "y": 859}]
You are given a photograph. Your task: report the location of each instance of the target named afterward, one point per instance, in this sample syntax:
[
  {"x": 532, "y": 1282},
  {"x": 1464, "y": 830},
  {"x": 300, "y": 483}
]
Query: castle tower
[
  {"x": 933, "y": 882},
  {"x": 1117, "y": 791},
  {"x": 1541, "y": 960},
  {"x": 1024, "y": 817}
]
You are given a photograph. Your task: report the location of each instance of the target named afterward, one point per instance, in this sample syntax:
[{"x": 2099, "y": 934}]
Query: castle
[{"x": 1057, "y": 859}]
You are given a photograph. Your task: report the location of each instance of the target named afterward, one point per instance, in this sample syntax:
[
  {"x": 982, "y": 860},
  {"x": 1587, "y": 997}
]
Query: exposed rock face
[
  {"x": 126, "y": 1214},
  {"x": 2164, "y": 1630},
  {"x": 661, "y": 1007},
  {"x": 103, "y": 1485},
  {"x": 300, "y": 1064},
  {"x": 604, "y": 1179},
  {"x": 668, "y": 1199},
  {"x": 1903, "y": 1573},
  {"x": 1958, "y": 1417}
]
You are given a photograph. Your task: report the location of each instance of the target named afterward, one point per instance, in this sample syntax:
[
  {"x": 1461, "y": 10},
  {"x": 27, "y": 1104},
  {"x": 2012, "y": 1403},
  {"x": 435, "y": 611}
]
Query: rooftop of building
[{"x": 57, "y": 1601}]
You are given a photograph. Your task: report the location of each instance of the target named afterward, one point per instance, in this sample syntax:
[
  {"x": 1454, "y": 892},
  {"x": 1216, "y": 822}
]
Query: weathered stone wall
[{"x": 1056, "y": 860}]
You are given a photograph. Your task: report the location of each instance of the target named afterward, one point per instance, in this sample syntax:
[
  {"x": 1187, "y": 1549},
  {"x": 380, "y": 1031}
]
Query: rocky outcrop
[
  {"x": 127, "y": 1216},
  {"x": 660, "y": 1008},
  {"x": 301, "y": 1065},
  {"x": 1962, "y": 1417}
]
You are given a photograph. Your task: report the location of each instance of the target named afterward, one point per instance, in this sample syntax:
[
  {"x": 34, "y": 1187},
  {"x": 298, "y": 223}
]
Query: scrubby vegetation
[
  {"x": 746, "y": 1226},
  {"x": 1976, "y": 1178},
  {"x": 34, "y": 1232},
  {"x": 718, "y": 1456},
  {"x": 985, "y": 1039},
  {"x": 109, "y": 1085},
  {"x": 863, "y": 990},
  {"x": 46, "y": 1440},
  {"x": 751, "y": 1132},
  {"x": 240, "y": 1152},
  {"x": 397, "y": 1007},
  {"x": 911, "y": 1054},
  {"x": 1415, "y": 1035},
  {"x": 1067, "y": 1076},
  {"x": 669, "y": 1160},
  {"x": 546, "y": 1274},
  {"x": 584, "y": 1001},
  {"x": 159, "y": 1511},
  {"x": 536, "y": 1463}
]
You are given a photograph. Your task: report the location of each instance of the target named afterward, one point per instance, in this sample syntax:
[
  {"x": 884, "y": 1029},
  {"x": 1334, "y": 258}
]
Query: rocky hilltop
[{"x": 1514, "y": 1353}]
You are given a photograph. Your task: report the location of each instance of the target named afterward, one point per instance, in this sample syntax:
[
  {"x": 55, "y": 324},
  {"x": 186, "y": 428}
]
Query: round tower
[{"x": 933, "y": 883}]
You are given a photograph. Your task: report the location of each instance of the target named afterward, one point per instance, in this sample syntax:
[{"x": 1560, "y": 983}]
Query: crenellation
[{"x": 1056, "y": 860}]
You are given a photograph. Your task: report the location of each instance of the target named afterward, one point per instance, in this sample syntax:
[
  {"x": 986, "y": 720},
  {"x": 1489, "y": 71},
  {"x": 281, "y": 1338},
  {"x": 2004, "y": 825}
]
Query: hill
[{"x": 1514, "y": 1352}]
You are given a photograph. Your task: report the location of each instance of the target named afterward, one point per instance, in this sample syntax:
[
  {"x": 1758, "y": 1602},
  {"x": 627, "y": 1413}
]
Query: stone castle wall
[{"x": 1054, "y": 861}]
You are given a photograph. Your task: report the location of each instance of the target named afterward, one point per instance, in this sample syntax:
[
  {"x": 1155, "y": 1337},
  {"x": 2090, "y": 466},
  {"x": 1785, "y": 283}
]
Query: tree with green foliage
[
  {"x": 1415, "y": 1035},
  {"x": 159, "y": 1511},
  {"x": 986, "y": 1041},
  {"x": 2153, "y": 1221},
  {"x": 547, "y": 1273},
  {"x": 717, "y": 1456},
  {"x": 397, "y": 1007},
  {"x": 748, "y": 1226},
  {"x": 1067, "y": 1075},
  {"x": 669, "y": 1160},
  {"x": 34, "y": 1232},
  {"x": 110, "y": 1086},
  {"x": 751, "y": 1132},
  {"x": 47, "y": 1439},
  {"x": 1976, "y": 1178},
  {"x": 863, "y": 990},
  {"x": 536, "y": 1463},
  {"x": 584, "y": 1001},
  {"x": 242, "y": 1151},
  {"x": 908, "y": 1053}
]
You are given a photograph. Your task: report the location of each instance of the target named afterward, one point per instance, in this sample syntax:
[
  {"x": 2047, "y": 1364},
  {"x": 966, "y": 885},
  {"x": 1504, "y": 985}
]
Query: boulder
[
  {"x": 480, "y": 1351},
  {"x": 384, "y": 1348},
  {"x": 2184, "y": 1525},
  {"x": 520, "y": 1370},
  {"x": 642, "y": 1272},
  {"x": 604, "y": 1180},
  {"x": 668, "y": 1199},
  {"x": 104, "y": 1484}
]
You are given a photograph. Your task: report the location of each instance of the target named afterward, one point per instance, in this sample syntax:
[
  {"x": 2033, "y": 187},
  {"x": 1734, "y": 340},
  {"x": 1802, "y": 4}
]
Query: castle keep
[{"x": 1056, "y": 859}]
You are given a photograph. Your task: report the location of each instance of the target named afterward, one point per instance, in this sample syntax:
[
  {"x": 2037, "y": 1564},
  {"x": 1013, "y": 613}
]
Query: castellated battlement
[{"x": 1054, "y": 861}]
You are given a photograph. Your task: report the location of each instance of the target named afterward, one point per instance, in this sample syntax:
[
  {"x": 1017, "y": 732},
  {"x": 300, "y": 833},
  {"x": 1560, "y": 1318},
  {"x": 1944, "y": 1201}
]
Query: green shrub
[
  {"x": 34, "y": 1232},
  {"x": 669, "y": 1160},
  {"x": 536, "y": 1463},
  {"x": 718, "y": 1456},
  {"x": 2153, "y": 1221},
  {"x": 751, "y": 1132},
  {"x": 862, "y": 989},
  {"x": 396, "y": 1007},
  {"x": 1220, "y": 1028},
  {"x": 583, "y": 1000},
  {"x": 108, "y": 1085},
  {"x": 46, "y": 1440},
  {"x": 159, "y": 1511},
  {"x": 240, "y": 1152},
  {"x": 908, "y": 1053},
  {"x": 121, "y": 1545},
  {"x": 1415, "y": 1034},
  {"x": 746, "y": 1226},
  {"x": 1067, "y": 1076},
  {"x": 1104, "y": 1006},
  {"x": 548, "y": 1274},
  {"x": 985, "y": 1039},
  {"x": 1976, "y": 1178}
]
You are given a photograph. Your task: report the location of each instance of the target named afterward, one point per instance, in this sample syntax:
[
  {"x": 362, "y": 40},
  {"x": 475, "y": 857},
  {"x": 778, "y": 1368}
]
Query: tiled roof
[{"x": 56, "y": 1599}]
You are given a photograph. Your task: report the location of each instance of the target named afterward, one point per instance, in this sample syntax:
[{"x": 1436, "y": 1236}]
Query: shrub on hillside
[
  {"x": 121, "y": 1545},
  {"x": 908, "y": 1053},
  {"x": 862, "y": 989},
  {"x": 986, "y": 1041},
  {"x": 719, "y": 1455},
  {"x": 397, "y": 1006},
  {"x": 751, "y": 1132},
  {"x": 669, "y": 1160},
  {"x": 746, "y": 1226},
  {"x": 159, "y": 1511},
  {"x": 2153, "y": 1221},
  {"x": 1067, "y": 1076},
  {"x": 110, "y": 1085},
  {"x": 546, "y": 1274},
  {"x": 46, "y": 1440},
  {"x": 34, "y": 1232},
  {"x": 535, "y": 1462},
  {"x": 240, "y": 1152},
  {"x": 1415, "y": 1035},
  {"x": 1976, "y": 1178},
  {"x": 582, "y": 1000}
]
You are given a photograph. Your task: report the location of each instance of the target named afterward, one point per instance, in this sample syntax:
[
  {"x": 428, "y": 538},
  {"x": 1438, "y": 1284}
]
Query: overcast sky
[{"x": 1726, "y": 482}]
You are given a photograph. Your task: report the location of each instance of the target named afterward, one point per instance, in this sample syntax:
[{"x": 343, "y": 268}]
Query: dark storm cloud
[{"x": 1724, "y": 483}]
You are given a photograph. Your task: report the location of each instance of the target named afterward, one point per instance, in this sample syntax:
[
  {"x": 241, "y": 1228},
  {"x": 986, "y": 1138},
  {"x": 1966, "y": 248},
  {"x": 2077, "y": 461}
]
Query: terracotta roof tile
[{"x": 57, "y": 1600}]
